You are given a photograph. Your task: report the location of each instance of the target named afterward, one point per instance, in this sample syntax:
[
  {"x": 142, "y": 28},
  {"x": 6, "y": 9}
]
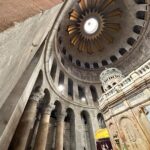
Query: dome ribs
[
  {"x": 74, "y": 15},
  {"x": 82, "y": 5},
  {"x": 113, "y": 26},
  {"x": 114, "y": 13},
  {"x": 75, "y": 39},
  {"x": 107, "y": 37},
  {"x": 71, "y": 29},
  {"x": 105, "y": 4},
  {"x": 86, "y": 10}
]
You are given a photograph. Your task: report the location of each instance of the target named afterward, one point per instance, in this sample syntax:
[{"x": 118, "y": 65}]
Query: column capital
[
  {"x": 38, "y": 95},
  {"x": 48, "y": 109}
]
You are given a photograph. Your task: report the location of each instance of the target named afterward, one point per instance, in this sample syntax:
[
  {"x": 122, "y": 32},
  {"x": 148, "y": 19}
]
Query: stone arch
[
  {"x": 69, "y": 131},
  {"x": 45, "y": 101},
  {"x": 88, "y": 134},
  {"x": 101, "y": 120},
  {"x": 47, "y": 97},
  {"x": 58, "y": 106},
  {"x": 53, "y": 125}
]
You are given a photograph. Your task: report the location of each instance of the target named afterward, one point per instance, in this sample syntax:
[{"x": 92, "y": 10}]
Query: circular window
[{"x": 91, "y": 25}]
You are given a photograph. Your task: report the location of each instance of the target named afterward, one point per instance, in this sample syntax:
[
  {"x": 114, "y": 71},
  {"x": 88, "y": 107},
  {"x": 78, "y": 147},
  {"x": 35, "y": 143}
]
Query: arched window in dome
[
  {"x": 94, "y": 93},
  {"x": 140, "y": 1},
  {"x": 70, "y": 88},
  {"x": 122, "y": 51},
  {"x": 131, "y": 41},
  {"x": 87, "y": 65},
  {"x": 78, "y": 63},
  {"x": 104, "y": 63},
  {"x": 61, "y": 78},
  {"x": 70, "y": 58},
  {"x": 64, "y": 51},
  {"x": 53, "y": 70},
  {"x": 113, "y": 58},
  {"x": 95, "y": 65},
  {"x": 137, "y": 29},
  {"x": 141, "y": 15},
  {"x": 81, "y": 92}
]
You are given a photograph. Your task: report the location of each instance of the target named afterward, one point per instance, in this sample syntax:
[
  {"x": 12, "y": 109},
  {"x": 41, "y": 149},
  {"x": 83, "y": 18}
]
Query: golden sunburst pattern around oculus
[{"x": 92, "y": 24}]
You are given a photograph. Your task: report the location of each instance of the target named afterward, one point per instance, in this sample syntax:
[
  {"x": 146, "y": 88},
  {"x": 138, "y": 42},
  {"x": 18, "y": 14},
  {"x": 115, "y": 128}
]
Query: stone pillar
[
  {"x": 91, "y": 133},
  {"x": 60, "y": 131},
  {"x": 20, "y": 139},
  {"x": 42, "y": 134},
  {"x": 79, "y": 131}
]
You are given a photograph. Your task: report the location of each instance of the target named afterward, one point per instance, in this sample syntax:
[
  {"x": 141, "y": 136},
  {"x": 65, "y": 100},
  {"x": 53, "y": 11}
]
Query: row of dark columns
[
  {"x": 34, "y": 127},
  {"x": 25, "y": 127}
]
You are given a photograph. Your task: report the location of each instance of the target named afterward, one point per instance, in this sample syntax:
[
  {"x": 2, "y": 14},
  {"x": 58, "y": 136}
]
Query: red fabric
[{"x": 17, "y": 10}]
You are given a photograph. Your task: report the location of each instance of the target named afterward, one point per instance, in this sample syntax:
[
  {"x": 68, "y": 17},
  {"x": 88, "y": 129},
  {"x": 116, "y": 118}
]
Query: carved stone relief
[{"x": 133, "y": 138}]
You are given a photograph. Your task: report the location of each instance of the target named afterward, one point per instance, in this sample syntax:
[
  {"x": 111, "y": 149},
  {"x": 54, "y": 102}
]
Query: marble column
[
  {"x": 60, "y": 131},
  {"x": 21, "y": 137},
  {"x": 43, "y": 131}
]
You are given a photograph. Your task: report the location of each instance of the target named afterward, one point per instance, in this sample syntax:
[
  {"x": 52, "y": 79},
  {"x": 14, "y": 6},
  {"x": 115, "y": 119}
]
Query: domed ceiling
[
  {"x": 95, "y": 34},
  {"x": 92, "y": 25},
  {"x": 100, "y": 30}
]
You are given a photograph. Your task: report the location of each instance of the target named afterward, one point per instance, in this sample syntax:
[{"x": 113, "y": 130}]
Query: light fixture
[
  {"x": 91, "y": 25},
  {"x": 60, "y": 87},
  {"x": 83, "y": 99}
]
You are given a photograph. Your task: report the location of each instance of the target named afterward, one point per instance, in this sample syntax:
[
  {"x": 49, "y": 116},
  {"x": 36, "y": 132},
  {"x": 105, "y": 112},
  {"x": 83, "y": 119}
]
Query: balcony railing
[{"x": 140, "y": 73}]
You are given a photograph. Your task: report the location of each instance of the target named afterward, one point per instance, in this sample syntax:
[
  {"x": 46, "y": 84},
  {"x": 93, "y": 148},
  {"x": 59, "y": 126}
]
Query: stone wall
[{"x": 18, "y": 46}]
